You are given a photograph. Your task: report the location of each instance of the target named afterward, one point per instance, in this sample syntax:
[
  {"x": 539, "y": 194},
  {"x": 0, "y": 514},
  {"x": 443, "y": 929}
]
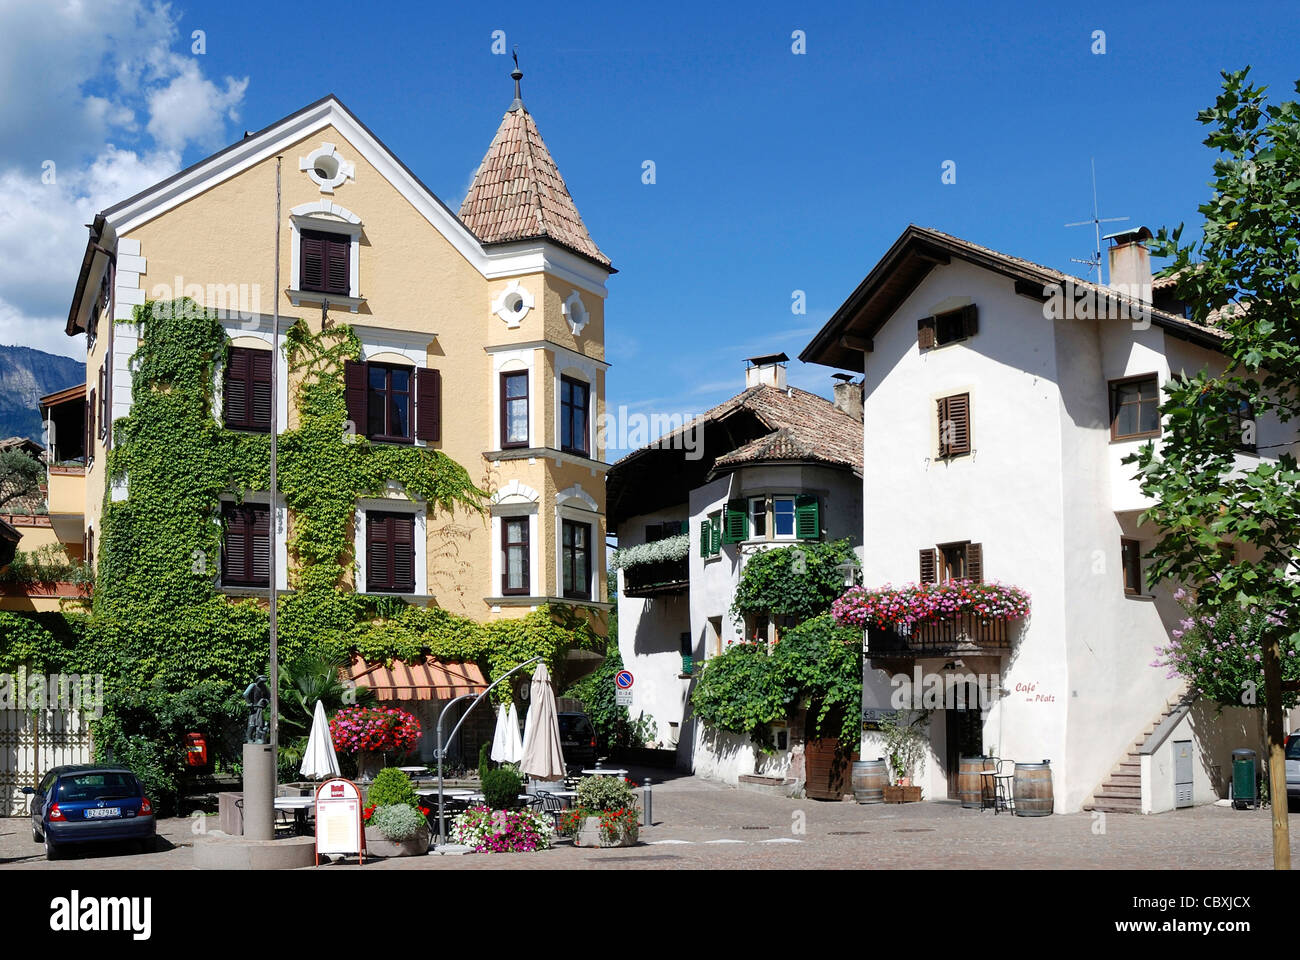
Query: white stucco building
[
  {"x": 770, "y": 467},
  {"x": 998, "y": 431}
]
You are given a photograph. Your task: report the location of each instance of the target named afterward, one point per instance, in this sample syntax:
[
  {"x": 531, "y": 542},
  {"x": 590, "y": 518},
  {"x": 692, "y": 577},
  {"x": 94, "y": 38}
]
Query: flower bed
[
  {"x": 669, "y": 548},
  {"x": 503, "y": 831},
  {"x": 606, "y": 814},
  {"x": 375, "y": 729},
  {"x": 921, "y": 603}
]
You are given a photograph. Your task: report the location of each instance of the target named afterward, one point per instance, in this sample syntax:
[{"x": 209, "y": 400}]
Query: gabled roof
[
  {"x": 764, "y": 424},
  {"x": 518, "y": 193},
  {"x": 273, "y": 139},
  {"x": 846, "y": 337}
]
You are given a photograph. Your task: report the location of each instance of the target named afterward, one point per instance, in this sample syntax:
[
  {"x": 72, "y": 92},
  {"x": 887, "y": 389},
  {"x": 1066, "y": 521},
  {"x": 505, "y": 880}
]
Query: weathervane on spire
[{"x": 516, "y": 74}]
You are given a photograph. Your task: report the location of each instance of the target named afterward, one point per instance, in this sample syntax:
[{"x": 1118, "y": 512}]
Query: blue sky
[{"x": 775, "y": 172}]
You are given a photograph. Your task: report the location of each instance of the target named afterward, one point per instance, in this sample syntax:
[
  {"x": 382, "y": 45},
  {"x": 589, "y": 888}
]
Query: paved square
[{"x": 702, "y": 825}]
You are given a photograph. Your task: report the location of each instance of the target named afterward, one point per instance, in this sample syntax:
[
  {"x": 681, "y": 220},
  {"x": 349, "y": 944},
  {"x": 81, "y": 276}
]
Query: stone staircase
[{"x": 1121, "y": 792}]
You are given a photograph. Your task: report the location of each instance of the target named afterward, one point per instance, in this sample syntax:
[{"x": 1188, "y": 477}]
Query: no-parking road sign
[{"x": 623, "y": 680}]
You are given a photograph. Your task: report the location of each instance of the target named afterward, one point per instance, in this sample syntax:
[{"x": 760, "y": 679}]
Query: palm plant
[{"x": 302, "y": 683}]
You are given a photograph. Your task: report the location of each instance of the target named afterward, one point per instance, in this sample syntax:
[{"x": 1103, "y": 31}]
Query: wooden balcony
[
  {"x": 657, "y": 579},
  {"x": 955, "y": 635}
]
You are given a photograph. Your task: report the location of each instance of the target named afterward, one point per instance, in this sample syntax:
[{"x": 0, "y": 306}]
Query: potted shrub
[
  {"x": 907, "y": 743},
  {"x": 397, "y": 830},
  {"x": 389, "y": 833},
  {"x": 606, "y": 814}
]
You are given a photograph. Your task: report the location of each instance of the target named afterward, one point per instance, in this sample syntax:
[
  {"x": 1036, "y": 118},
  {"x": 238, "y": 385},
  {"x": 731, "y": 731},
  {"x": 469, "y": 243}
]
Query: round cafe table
[
  {"x": 299, "y": 806},
  {"x": 601, "y": 772}
]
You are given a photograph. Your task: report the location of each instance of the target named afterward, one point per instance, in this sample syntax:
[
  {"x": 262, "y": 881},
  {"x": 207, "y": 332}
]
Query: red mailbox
[{"x": 196, "y": 750}]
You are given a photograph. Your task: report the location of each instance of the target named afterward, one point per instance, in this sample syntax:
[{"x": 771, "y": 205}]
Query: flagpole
[{"x": 274, "y": 526}]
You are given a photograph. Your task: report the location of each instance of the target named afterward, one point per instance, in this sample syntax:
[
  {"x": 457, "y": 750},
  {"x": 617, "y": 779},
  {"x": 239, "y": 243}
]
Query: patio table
[
  {"x": 299, "y": 806},
  {"x": 600, "y": 772}
]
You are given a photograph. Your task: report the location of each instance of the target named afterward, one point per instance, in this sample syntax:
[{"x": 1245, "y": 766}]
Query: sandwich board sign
[{"x": 338, "y": 819}]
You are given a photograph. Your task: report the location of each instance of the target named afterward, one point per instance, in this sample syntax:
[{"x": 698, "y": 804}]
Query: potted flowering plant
[
  {"x": 503, "y": 831},
  {"x": 396, "y": 823},
  {"x": 925, "y": 602},
  {"x": 370, "y": 732},
  {"x": 606, "y": 814}
]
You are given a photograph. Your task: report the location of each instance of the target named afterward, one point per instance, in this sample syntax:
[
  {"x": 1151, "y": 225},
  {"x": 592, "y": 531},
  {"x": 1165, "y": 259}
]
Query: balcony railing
[
  {"x": 957, "y": 634},
  {"x": 656, "y": 579}
]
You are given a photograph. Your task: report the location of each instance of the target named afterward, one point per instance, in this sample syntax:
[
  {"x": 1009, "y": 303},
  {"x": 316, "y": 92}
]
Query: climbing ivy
[{"x": 158, "y": 619}]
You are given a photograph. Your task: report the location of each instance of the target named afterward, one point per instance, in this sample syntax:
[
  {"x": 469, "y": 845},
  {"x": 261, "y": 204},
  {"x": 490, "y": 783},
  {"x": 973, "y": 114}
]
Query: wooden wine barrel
[
  {"x": 972, "y": 786},
  {"x": 869, "y": 780},
  {"x": 1032, "y": 789}
]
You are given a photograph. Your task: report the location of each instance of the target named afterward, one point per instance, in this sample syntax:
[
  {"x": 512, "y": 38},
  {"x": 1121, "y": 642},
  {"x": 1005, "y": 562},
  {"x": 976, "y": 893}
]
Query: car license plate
[{"x": 103, "y": 813}]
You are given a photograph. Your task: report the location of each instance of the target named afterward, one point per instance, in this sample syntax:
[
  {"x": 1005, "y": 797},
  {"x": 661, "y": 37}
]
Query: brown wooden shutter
[
  {"x": 234, "y": 553},
  {"x": 925, "y": 333},
  {"x": 356, "y": 378},
  {"x": 954, "y": 425},
  {"x": 258, "y": 526},
  {"x": 378, "y": 569},
  {"x": 90, "y": 426},
  {"x": 927, "y": 566},
  {"x": 428, "y": 405},
  {"x": 259, "y": 385},
  {"x": 234, "y": 392},
  {"x": 337, "y": 255},
  {"x": 311, "y": 269},
  {"x": 970, "y": 320},
  {"x": 975, "y": 562},
  {"x": 403, "y": 541},
  {"x": 102, "y": 412}
]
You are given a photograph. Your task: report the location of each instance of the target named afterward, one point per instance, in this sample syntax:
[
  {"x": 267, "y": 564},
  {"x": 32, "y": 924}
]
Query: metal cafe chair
[{"x": 1003, "y": 777}]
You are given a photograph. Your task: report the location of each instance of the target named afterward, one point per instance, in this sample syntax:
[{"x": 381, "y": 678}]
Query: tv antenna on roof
[{"x": 1095, "y": 261}]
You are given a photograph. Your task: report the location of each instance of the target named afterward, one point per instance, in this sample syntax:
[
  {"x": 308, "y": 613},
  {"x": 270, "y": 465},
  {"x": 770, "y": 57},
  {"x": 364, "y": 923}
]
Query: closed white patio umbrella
[
  {"x": 514, "y": 739},
  {"x": 543, "y": 757},
  {"x": 506, "y": 744},
  {"x": 319, "y": 761}
]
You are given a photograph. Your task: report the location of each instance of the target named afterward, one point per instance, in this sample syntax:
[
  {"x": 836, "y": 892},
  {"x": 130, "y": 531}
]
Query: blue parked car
[{"x": 85, "y": 804}]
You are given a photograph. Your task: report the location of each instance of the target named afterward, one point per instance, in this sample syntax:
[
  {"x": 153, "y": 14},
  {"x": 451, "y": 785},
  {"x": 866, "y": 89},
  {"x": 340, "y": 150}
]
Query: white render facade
[
  {"x": 695, "y": 620},
  {"x": 1043, "y": 492}
]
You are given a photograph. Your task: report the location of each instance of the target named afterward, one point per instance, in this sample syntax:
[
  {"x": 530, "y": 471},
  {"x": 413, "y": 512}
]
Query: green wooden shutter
[
  {"x": 704, "y": 537},
  {"x": 807, "y": 518},
  {"x": 715, "y": 535},
  {"x": 735, "y": 522}
]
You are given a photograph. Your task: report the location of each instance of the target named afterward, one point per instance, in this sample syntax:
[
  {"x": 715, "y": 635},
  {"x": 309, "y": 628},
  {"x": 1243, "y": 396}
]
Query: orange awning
[{"x": 431, "y": 680}]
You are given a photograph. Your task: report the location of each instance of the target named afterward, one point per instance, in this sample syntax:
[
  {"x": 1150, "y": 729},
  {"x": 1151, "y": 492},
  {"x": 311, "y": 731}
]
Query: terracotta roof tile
[
  {"x": 804, "y": 427},
  {"x": 518, "y": 193}
]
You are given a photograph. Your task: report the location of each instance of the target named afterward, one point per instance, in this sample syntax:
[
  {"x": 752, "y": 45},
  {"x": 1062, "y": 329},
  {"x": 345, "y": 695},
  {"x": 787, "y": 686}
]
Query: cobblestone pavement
[{"x": 698, "y": 824}]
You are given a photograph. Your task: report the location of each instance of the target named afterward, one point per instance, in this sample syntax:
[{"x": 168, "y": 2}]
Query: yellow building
[{"x": 482, "y": 336}]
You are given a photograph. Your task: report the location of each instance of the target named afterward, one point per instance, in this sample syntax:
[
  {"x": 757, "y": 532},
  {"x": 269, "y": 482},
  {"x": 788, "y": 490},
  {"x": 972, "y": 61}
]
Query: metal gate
[{"x": 33, "y": 741}]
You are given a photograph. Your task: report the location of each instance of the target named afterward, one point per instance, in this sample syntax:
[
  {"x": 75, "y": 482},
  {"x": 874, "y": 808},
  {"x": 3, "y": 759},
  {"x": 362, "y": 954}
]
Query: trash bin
[{"x": 1244, "y": 791}]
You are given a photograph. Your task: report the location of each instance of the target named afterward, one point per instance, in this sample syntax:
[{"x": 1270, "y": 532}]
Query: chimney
[
  {"x": 848, "y": 396},
  {"x": 1130, "y": 264},
  {"x": 768, "y": 369}
]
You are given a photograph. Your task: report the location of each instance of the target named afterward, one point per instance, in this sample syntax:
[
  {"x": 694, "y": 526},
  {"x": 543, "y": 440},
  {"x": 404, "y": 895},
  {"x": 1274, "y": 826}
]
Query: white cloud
[
  {"x": 106, "y": 100},
  {"x": 192, "y": 109}
]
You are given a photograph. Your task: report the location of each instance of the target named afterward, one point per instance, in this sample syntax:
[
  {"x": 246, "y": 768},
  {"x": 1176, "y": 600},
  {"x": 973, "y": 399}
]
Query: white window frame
[
  {"x": 328, "y": 217},
  {"x": 384, "y": 345},
  {"x": 397, "y": 502},
  {"x": 767, "y": 531},
  {"x": 585, "y": 373},
  {"x": 255, "y": 328},
  {"x": 514, "y": 361},
  {"x": 794, "y": 524},
  {"x": 279, "y": 533},
  {"x": 577, "y": 505}
]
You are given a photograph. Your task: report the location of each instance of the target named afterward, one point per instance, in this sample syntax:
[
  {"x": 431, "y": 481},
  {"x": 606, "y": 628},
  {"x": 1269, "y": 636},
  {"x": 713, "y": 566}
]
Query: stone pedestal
[{"x": 259, "y": 791}]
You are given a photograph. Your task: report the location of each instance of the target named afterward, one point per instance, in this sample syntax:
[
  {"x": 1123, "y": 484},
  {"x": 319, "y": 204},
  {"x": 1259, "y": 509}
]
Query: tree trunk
[{"x": 1277, "y": 797}]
